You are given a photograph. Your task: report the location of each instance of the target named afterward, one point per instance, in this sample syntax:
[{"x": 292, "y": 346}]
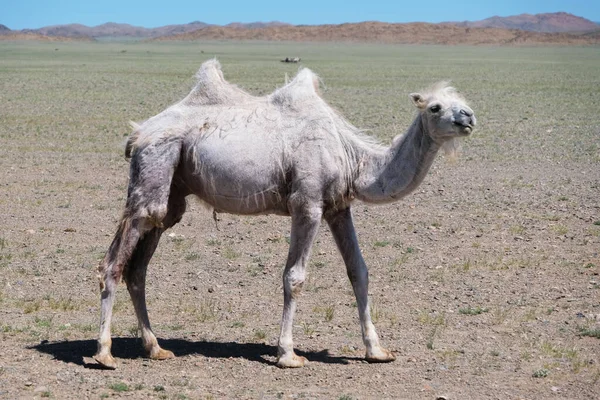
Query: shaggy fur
[{"x": 288, "y": 153}]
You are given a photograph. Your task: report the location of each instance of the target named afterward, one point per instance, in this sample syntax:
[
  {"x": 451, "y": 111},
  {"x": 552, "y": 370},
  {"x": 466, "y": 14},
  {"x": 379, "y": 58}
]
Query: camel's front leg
[
  {"x": 343, "y": 231},
  {"x": 305, "y": 225}
]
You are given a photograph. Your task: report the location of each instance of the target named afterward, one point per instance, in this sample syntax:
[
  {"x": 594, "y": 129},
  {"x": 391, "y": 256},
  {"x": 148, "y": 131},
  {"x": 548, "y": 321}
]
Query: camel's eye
[{"x": 435, "y": 108}]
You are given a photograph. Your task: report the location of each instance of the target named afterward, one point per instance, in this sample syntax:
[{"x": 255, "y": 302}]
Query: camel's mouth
[{"x": 464, "y": 129}]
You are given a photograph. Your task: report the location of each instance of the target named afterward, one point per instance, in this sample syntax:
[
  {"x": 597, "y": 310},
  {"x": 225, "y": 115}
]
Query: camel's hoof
[
  {"x": 293, "y": 361},
  {"x": 105, "y": 360},
  {"x": 380, "y": 356},
  {"x": 162, "y": 354}
]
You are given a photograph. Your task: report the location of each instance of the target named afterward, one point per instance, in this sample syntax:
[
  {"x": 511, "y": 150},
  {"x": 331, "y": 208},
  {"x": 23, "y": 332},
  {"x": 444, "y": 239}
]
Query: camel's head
[{"x": 445, "y": 113}]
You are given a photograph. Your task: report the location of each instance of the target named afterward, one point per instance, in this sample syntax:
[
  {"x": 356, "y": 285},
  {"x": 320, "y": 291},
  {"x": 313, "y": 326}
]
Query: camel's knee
[
  {"x": 294, "y": 282},
  {"x": 151, "y": 215},
  {"x": 106, "y": 279},
  {"x": 160, "y": 209}
]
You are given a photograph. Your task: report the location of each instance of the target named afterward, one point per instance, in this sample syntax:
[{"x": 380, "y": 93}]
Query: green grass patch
[
  {"x": 591, "y": 332},
  {"x": 119, "y": 387},
  {"x": 473, "y": 310},
  {"x": 381, "y": 243},
  {"x": 540, "y": 373}
]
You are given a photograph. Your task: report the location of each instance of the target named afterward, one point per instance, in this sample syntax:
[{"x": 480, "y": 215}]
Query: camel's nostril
[{"x": 468, "y": 113}]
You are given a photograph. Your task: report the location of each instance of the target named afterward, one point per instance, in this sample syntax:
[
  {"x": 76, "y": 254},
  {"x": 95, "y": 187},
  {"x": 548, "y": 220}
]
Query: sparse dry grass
[{"x": 512, "y": 231}]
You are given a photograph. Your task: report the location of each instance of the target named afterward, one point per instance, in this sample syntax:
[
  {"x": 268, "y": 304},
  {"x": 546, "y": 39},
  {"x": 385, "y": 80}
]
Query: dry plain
[{"x": 484, "y": 281}]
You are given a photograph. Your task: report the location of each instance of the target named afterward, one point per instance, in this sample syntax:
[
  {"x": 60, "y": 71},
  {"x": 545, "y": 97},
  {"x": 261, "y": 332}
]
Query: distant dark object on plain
[{"x": 291, "y": 60}]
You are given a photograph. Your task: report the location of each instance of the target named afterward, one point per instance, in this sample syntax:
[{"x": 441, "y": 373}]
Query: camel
[{"x": 288, "y": 153}]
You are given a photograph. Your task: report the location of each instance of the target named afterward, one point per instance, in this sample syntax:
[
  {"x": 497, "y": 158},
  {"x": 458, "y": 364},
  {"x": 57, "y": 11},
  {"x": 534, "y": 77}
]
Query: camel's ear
[{"x": 418, "y": 100}]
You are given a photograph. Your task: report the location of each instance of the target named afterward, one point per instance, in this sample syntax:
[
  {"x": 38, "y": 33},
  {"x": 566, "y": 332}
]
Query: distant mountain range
[
  {"x": 552, "y": 22},
  {"x": 112, "y": 29},
  {"x": 525, "y": 28}
]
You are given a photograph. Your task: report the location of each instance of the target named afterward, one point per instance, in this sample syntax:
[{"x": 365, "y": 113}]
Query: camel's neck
[{"x": 392, "y": 175}]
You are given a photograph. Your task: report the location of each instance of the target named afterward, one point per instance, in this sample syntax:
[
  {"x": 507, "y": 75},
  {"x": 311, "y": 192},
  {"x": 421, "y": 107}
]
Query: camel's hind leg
[
  {"x": 146, "y": 213},
  {"x": 135, "y": 276},
  {"x": 111, "y": 269}
]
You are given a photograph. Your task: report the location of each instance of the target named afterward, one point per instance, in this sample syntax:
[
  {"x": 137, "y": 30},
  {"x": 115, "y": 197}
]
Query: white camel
[{"x": 288, "y": 153}]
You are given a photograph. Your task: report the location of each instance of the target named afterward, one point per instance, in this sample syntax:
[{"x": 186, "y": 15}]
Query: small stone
[
  {"x": 211, "y": 289},
  {"x": 41, "y": 389},
  {"x": 28, "y": 383},
  {"x": 555, "y": 389}
]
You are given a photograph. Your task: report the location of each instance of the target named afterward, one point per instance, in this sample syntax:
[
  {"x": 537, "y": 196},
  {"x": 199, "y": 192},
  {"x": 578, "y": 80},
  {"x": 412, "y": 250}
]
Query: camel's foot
[
  {"x": 105, "y": 360},
  {"x": 291, "y": 361},
  {"x": 161, "y": 354},
  {"x": 379, "y": 355}
]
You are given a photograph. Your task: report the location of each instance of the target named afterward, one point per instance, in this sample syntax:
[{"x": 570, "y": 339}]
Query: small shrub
[
  {"x": 259, "y": 334},
  {"x": 591, "y": 332},
  {"x": 43, "y": 322},
  {"x": 119, "y": 387},
  {"x": 381, "y": 243},
  {"x": 308, "y": 329},
  {"x": 62, "y": 304},
  {"x": 472, "y": 311},
  {"x": 209, "y": 310},
  {"x": 230, "y": 253},
  {"x": 517, "y": 229},
  {"x": 540, "y": 373},
  {"x": 329, "y": 311},
  {"x": 32, "y": 306},
  {"x": 192, "y": 256},
  {"x": 560, "y": 229}
]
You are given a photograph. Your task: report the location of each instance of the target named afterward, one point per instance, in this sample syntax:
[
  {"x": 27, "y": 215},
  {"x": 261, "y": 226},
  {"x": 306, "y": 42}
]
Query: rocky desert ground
[{"x": 484, "y": 281}]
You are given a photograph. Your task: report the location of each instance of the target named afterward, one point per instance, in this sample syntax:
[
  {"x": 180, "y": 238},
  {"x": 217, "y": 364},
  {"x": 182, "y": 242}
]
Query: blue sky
[{"x": 20, "y": 14}]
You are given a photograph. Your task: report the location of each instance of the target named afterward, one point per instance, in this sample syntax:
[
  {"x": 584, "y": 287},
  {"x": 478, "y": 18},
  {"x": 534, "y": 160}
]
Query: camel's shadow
[{"x": 131, "y": 348}]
